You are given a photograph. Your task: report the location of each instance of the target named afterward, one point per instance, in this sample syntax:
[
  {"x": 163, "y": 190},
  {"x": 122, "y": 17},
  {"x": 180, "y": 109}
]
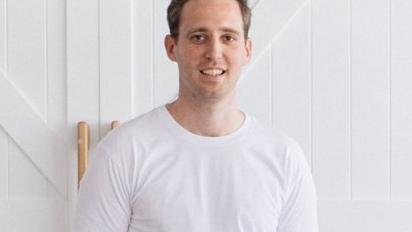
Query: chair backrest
[{"x": 83, "y": 147}]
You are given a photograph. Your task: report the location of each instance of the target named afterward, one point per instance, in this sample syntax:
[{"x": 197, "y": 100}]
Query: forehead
[{"x": 211, "y": 14}]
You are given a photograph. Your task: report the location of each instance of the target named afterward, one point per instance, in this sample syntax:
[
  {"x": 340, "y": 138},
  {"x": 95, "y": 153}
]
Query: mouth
[{"x": 213, "y": 72}]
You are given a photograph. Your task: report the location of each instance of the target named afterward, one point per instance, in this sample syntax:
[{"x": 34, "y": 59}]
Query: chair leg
[{"x": 83, "y": 148}]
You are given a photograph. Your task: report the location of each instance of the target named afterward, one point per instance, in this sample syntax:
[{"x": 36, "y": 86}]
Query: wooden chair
[{"x": 83, "y": 147}]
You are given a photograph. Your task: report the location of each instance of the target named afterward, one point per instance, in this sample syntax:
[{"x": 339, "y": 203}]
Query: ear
[
  {"x": 170, "y": 44},
  {"x": 248, "y": 48}
]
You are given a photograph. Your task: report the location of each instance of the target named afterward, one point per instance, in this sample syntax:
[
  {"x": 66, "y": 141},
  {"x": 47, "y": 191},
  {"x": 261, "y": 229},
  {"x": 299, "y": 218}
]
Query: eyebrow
[{"x": 223, "y": 29}]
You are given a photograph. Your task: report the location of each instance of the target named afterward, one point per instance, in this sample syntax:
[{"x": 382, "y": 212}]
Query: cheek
[
  {"x": 236, "y": 59},
  {"x": 237, "y": 54},
  {"x": 185, "y": 58},
  {"x": 191, "y": 57},
  {"x": 192, "y": 51}
]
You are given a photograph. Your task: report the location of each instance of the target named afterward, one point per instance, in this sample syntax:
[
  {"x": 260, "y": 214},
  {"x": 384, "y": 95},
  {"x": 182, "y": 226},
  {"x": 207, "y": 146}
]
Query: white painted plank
[
  {"x": 83, "y": 66},
  {"x": 254, "y": 90},
  {"x": 56, "y": 84},
  {"x": 292, "y": 81},
  {"x": 82, "y": 82},
  {"x": 3, "y": 35},
  {"x": 143, "y": 57},
  {"x": 115, "y": 62},
  {"x": 401, "y": 29},
  {"x": 370, "y": 99},
  {"x": 24, "y": 126},
  {"x": 361, "y": 216},
  {"x": 165, "y": 71},
  {"x": 143, "y": 33},
  {"x": 4, "y": 215},
  {"x": 4, "y": 165},
  {"x": 401, "y": 129},
  {"x": 26, "y": 180},
  {"x": 401, "y": 114},
  {"x": 56, "y": 65},
  {"x": 331, "y": 125},
  {"x": 26, "y": 50}
]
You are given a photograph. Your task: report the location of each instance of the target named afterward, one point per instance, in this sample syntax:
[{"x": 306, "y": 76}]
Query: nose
[{"x": 214, "y": 50}]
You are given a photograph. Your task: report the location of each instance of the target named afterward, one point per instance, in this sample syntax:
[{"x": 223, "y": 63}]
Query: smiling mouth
[{"x": 214, "y": 72}]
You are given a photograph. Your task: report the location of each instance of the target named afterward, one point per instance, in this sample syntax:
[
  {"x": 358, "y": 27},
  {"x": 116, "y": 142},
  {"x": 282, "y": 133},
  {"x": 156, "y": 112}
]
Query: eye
[
  {"x": 229, "y": 38},
  {"x": 197, "y": 38}
]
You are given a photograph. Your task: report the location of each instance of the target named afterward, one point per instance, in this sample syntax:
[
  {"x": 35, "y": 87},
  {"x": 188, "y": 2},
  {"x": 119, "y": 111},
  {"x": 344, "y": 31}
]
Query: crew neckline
[{"x": 181, "y": 132}]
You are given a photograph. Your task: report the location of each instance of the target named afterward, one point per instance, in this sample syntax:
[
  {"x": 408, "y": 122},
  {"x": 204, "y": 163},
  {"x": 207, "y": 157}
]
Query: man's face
[{"x": 210, "y": 50}]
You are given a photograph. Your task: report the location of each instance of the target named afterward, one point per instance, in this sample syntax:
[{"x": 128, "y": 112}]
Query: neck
[{"x": 207, "y": 119}]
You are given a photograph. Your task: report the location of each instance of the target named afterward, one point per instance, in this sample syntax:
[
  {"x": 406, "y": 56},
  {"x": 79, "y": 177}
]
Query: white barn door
[{"x": 33, "y": 130}]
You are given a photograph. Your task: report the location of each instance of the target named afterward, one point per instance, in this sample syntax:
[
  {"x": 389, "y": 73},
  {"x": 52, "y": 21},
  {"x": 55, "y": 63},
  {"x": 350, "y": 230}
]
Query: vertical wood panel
[
  {"x": 56, "y": 68},
  {"x": 25, "y": 180},
  {"x": 370, "y": 99},
  {"x": 115, "y": 62},
  {"x": 401, "y": 114},
  {"x": 401, "y": 128},
  {"x": 3, "y": 35},
  {"x": 4, "y": 167},
  {"x": 402, "y": 29},
  {"x": 4, "y": 215},
  {"x": 143, "y": 56},
  {"x": 56, "y": 103},
  {"x": 165, "y": 71},
  {"x": 291, "y": 52},
  {"x": 26, "y": 56},
  {"x": 254, "y": 90},
  {"x": 331, "y": 120},
  {"x": 83, "y": 66},
  {"x": 82, "y": 82}
]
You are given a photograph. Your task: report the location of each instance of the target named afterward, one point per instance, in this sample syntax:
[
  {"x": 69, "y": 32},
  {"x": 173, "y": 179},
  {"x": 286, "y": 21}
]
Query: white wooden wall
[
  {"x": 33, "y": 151},
  {"x": 334, "y": 74}
]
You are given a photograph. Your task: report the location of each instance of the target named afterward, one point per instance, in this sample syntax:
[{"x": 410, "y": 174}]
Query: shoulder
[
  {"x": 288, "y": 152},
  {"x": 283, "y": 145},
  {"x": 130, "y": 137}
]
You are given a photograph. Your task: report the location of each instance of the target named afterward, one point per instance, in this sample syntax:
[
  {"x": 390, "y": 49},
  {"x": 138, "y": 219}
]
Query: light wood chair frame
[{"x": 83, "y": 139}]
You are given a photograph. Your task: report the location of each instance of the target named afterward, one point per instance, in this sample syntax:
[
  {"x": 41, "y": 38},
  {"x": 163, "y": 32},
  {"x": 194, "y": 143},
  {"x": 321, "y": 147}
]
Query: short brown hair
[{"x": 174, "y": 10}]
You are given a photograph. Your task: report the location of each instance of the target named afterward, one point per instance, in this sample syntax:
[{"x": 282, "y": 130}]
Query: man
[{"x": 199, "y": 164}]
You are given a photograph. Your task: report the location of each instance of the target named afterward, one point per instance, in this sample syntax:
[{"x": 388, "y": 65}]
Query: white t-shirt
[{"x": 152, "y": 175}]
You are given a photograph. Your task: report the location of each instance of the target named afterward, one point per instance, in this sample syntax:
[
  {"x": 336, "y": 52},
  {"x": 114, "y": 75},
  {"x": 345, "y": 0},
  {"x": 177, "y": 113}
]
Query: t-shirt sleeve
[
  {"x": 103, "y": 198},
  {"x": 299, "y": 212}
]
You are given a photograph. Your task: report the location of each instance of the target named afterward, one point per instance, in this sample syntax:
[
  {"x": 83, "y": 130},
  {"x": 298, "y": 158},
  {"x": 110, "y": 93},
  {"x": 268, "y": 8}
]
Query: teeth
[{"x": 212, "y": 72}]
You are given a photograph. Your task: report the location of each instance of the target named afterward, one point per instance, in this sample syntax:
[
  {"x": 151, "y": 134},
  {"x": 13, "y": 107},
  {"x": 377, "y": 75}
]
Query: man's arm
[
  {"x": 299, "y": 212},
  {"x": 103, "y": 199}
]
